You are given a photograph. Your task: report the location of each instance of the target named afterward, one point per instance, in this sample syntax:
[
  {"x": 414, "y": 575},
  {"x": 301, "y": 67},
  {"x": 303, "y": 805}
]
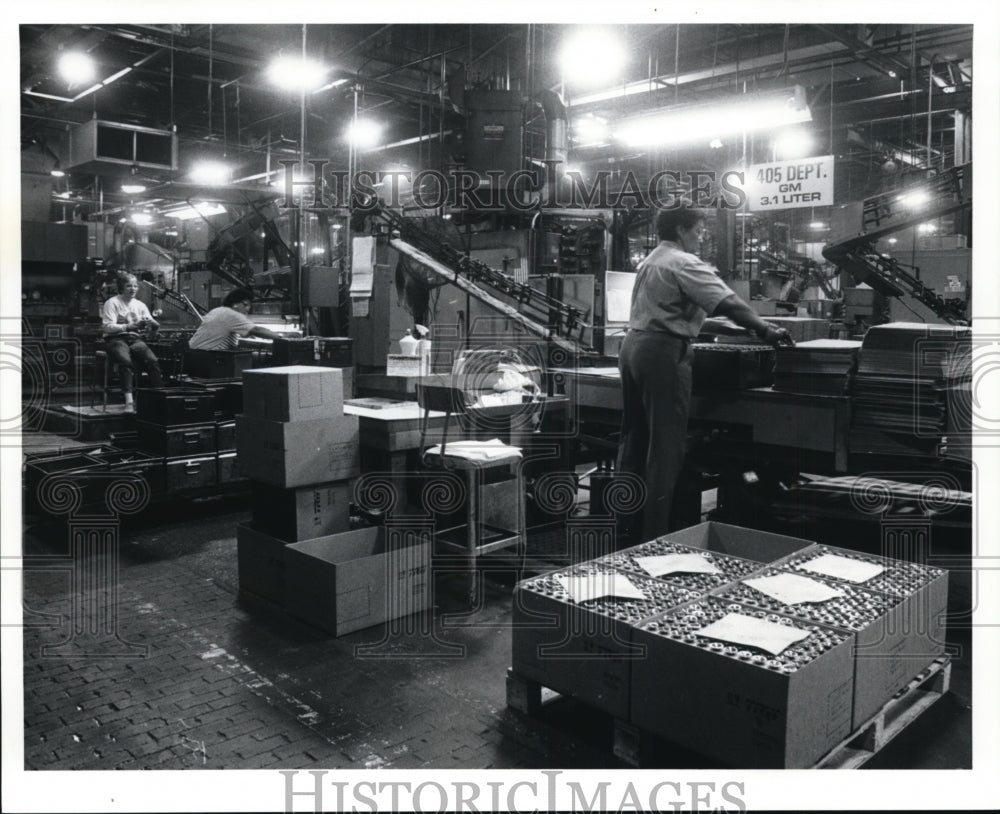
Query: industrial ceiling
[{"x": 875, "y": 91}]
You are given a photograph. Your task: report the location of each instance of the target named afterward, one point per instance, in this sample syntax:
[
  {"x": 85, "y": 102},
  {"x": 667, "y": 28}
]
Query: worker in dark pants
[
  {"x": 125, "y": 320},
  {"x": 674, "y": 293}
]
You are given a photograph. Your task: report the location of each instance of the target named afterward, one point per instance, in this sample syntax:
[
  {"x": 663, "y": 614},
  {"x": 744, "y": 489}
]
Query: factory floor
[{"x": 202, "y": 678}]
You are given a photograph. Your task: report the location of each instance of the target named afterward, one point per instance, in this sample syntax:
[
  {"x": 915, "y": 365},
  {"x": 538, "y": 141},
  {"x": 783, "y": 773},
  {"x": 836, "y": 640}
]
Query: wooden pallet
[
  {"x": 632, "y": 743},
  {"x": 924, "y": 690}
]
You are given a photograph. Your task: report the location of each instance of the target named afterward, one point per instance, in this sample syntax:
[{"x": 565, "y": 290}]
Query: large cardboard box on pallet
[
  {"x": 293, "y": 393},
  {"x": 358, "y": 579},
  {"x": 906, "y": 639},
  {"x": 734, "y": 707},
  {"x": 584, "y": 649},
  {"x": 736, "y": 541},
  {"x": 298, "y": 453},
  {"x": 875, "y": 620},
  {"x": 304, "y": 512}
]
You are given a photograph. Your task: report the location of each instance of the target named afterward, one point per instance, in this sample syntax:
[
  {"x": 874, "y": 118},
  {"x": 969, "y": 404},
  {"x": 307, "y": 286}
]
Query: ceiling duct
[{"x": 110, "y": 148}]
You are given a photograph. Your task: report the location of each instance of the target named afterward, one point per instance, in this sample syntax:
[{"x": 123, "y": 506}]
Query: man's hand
[{"x": 776, "y": 336}]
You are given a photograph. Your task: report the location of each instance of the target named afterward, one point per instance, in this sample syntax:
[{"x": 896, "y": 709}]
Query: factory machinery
[{"x": 936, "y": 195}]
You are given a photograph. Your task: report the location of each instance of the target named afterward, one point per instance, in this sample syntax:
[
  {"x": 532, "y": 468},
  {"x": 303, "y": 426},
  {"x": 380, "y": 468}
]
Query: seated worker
[
  {"x": 223, "y": 326},
  {"x": 124, "y": 322}
]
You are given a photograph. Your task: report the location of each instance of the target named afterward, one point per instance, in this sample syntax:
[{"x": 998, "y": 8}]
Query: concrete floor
[{"x": 226, "y": 683}]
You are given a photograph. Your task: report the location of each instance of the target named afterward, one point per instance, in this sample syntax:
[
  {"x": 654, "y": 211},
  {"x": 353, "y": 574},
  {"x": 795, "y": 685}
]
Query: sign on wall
[{"x": 790, "y": 184}]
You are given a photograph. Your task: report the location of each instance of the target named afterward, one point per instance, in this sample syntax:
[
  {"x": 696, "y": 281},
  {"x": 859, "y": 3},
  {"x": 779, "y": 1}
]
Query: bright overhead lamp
[
  {"x": 364, "y": 133},
  {"x": 733, "y": 114},
  {"x": 926, "y": 228},
  {"x": 55, "y": 172},
  {"x": 794, "y": 144},
  {"x": 590, "y": 130},
  {"x": 199, "y": 210},
  {"x": 76, "y": 67},
  {"x": 817, "y": 224},
  {"x": 141, "y": 218},
  {"x": 296, "y": 73},
  {"x": 591, "y": 56},
  {"x": 914, "y": 200},
  {"x": 210, "y": 173},
  {"x": 133, "y": 189}
]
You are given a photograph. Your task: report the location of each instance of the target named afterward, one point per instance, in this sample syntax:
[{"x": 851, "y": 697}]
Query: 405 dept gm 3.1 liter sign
[{"x": 790, "y": 184}]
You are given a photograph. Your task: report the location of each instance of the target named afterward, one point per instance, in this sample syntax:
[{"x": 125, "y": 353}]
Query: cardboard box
[
  {"x": 584, "y": 649},
  {"x": 346, "y": 582},
  {"x": 914, "y": 634},
  {"x": 298, "y": 453},
  {"x": 730, "y": 568},
  {"x": 304, "y": 512},
  {"x": 261, "y": 563},
  {"x": 734, "y": 709},
  {"x": 736, "y": 541},
  {"x": 875, "y": 619},
  {"x": 293, "y": 393}
]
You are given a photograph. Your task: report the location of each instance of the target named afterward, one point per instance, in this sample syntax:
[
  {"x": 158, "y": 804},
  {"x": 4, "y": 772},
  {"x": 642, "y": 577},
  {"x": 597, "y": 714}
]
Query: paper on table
[
  {"x": 792, "y": 589},
  {"x": 660, "y": 564},
  {"x": 491, "y": 450},
  {"x": 594, "y": 586},
  {"x": 832, "y": 565},
  {"x": 362, "y": 267},
  {"x": 736, "y": 628}
]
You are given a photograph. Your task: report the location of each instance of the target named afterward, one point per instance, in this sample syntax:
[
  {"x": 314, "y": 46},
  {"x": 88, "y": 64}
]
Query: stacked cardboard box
[
  {"x": 301, "y": 451},
  {"x": 718, "y": 665}
]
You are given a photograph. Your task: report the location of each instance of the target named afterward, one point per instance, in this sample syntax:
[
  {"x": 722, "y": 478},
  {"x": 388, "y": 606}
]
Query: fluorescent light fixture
[
  {"x": 364, "y": 133},
  {"x": 296, "y": 73},
  {"x": 76, "y": 67},
  {"x": 793, "y": 144},
  {"x": 141, "y": 218},
  {"x": 211, "y": 173},
  {"x": 817, "y": 224},
  {"x": 133, "y": 189},
  {"x": 892, "y": 241},
  {"x": 590, "y": 130},
  {"x": 734, "y": 114},
  {"x": 926, "y": 228},
  {"x": 56, "y": 173},
  {"x": 591, "y": 56},
  {"x": 199, "y": 210},
  {"x": 64, "y": 195}
]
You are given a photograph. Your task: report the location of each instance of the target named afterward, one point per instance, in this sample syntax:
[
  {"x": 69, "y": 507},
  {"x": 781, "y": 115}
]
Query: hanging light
[
  {"x": 76, "y": 67},
  {"x": 296, "y": 73},
  {"x": 592, "y": 55},
  {"x": 211, "y": 173},
  {"x": 364, "y": 133}
]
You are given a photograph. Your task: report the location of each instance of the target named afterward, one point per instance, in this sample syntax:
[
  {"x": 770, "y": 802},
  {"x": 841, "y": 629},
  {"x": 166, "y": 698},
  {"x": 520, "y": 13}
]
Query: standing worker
[
  {"x": 125, "y": 320},
  {"x": 674, "y": 293},
  {"x": 223, "y": 326}
]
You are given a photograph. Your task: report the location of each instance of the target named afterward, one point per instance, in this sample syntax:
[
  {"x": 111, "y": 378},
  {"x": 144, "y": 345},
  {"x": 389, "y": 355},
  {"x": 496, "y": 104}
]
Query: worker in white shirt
[
  {"x": 223, "y": 326},
  {"x": 125, "y": 321}
]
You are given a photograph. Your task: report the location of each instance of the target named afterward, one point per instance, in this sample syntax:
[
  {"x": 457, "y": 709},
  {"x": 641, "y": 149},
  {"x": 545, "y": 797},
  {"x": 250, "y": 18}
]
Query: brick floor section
[{"x": 232, "y": 684}]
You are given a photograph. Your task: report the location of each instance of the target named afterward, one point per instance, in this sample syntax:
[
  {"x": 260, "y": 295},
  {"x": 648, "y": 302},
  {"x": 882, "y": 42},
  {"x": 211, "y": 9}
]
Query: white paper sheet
[
  {"x": 659, "y": 564},
  {"x": 492, "y": 450},
  {"x": 594, "y": 586},
  {"x": 832, "y": 565},
  {"x": 791, "y": 589},
  {"x": 736, "y": 628}
]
